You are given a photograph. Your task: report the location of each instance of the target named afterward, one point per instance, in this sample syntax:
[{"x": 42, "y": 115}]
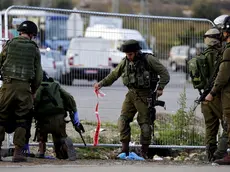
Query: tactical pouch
[
  {"x": 140, "y": 81},
  {"x": 132, "y": 78},
  {"x": 125, "y": 80},
  {"x": 146, "y": 75}
]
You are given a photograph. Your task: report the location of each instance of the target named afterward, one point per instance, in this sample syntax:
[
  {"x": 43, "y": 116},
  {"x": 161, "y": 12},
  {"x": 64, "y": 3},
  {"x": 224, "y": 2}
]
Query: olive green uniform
[
  {"x": 50, "y": 113},
  {"x": 21, "y": 72},
  {"x": 222, "y": 84},
  {"x": 135, "y": 76},
  {"x": 212, "y": 111}
]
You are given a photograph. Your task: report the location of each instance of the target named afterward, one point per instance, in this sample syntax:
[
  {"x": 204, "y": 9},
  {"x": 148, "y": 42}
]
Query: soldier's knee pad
[
  {"x": 2, "y": 134},
  {"x": 146, "y": 130},
  {"x": 122, "y": 123}
]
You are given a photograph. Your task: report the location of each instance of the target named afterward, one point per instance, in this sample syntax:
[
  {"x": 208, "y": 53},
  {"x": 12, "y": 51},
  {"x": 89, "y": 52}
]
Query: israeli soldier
[
  {"x": 21, "y": 71},
  {"x": 136, "y": 69},
  {"x": 50, "y": 106},
  {"x": 222, "y": 85},
  {"x": 212, "y": 111}
]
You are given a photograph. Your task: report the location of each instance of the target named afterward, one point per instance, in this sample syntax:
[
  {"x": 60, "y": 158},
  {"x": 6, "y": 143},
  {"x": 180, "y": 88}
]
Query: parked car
[
  {"x": 87, "y": 58},
  {"x": 48, "y": 63},
  {"x": 179, "y": 55},
  {"x": 57, "y": 60}
]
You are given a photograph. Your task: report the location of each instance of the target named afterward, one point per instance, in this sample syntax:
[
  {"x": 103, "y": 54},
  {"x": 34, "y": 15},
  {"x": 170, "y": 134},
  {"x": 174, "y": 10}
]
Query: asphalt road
[
  {"x": 110, "y": 105},
  {"x": 115, "y": 168}
]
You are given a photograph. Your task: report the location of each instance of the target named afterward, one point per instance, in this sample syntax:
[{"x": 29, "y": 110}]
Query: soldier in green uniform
[
  {"x": 222, "y": 85},
  {"x": 212, "y": 111},
  {"x": 50, "y": 106},
  {"x": 137, "y": 70},
  {"x": 21, "y": 71}
]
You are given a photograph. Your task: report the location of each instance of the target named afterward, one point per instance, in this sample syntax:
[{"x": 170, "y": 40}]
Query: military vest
[
  {"x": 20, "y": 59},
  {"x": 136, "y": 74},
  {"x": 48, "y": 100},
  {"x": 203, "y": 67}
]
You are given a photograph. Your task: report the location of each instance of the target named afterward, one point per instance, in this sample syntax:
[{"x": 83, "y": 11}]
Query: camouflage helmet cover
[
  {"x": 213, "y": 33},
  {"x": 28, "y": 27},
  {"x": 130, "y": 46}
]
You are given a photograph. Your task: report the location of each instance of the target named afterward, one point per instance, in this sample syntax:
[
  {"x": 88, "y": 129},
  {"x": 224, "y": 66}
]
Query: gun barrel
[{"x": 82, "y": 139}]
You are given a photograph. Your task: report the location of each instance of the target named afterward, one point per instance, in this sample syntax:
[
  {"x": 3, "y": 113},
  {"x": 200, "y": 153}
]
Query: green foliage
[
  {"x": 205, "y": 9},
  {"x": 180, "y": 129}
]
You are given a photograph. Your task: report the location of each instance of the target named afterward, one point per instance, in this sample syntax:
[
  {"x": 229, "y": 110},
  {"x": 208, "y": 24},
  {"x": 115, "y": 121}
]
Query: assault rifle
[
  {"x": 210, "y": 84},
  {"x": 153, "y": 102}
]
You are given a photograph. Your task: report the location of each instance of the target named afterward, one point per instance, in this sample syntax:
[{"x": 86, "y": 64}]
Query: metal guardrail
[{"x": 165, "y": 29}]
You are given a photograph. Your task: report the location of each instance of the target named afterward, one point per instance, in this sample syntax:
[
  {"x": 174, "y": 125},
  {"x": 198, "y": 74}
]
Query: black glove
[{"x": 79, "y": 128}]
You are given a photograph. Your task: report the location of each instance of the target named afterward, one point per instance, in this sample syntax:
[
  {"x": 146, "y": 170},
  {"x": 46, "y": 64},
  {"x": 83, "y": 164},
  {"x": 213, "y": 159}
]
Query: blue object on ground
[{"x": 132, "y": 156}]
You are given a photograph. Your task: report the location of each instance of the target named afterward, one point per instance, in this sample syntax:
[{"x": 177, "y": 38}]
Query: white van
[
  {"x": 117, "y": 36},
  {"x": 87, "y": 58}
]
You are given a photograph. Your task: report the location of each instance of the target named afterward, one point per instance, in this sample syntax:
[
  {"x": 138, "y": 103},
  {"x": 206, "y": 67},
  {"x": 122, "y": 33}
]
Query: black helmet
[
  {"x": 226, "y": 26},
  {"x": 130, "y": 46},
  {"x": 28, "y": 27}
]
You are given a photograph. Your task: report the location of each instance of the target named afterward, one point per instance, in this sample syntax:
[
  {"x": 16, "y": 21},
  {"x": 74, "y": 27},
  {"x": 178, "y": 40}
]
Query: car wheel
[{"x": 174, "y": 67}]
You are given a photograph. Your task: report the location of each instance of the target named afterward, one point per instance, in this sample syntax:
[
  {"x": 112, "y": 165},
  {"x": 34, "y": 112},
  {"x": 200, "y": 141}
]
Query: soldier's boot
[
  {"x": 18, "y": 155},
  {"x": 125, "y": 148},
  {"x": 41, "y": 150},
  {"x": 69, "y": 148},
  {"x": 223, "y": 161},
  {"x": 210, "y": 149},
  {"x": 144, "y": 151},
  {"x": 221, "y": 151}
]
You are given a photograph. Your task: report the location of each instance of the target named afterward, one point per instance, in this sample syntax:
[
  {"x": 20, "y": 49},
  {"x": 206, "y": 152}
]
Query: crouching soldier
[{"x": 50, "y": 105}]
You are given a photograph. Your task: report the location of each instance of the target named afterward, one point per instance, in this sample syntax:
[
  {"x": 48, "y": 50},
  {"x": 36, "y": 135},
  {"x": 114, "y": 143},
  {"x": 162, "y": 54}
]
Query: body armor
[
  {"x": 137, "y": 74},
  {"x": 20, "y": 60}
]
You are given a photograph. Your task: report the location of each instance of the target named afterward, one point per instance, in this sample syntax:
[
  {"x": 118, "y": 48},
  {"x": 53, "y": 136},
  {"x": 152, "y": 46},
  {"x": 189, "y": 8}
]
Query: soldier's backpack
[
  {"x": 48, "y": 99},
  {"x": 199, "y": 70}
]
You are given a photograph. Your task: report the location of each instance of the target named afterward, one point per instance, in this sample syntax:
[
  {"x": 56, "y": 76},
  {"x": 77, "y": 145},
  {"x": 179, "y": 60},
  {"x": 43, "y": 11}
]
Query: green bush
[{"x": 181, "y": 128}]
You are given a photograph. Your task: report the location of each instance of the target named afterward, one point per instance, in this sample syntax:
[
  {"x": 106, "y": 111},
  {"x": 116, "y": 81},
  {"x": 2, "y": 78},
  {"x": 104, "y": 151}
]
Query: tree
[{"x": 205, "y": 9}]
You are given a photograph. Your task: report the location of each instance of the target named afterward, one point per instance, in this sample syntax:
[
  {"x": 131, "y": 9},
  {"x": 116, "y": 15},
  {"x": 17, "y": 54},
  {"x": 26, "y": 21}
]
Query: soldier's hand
[
  {"x": 209, "y": 97},
  {"x": 159, "y": 93},
  {"x": 97, "y": 86},
  {"x": 79, "y": 128}
]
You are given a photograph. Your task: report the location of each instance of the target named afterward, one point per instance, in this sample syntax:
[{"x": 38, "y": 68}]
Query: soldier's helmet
[
  {"x": 213, "y": 33},
  {"x": 130, "y": 46},
  {"x": 226, "y": 26},
  {"x": 28, "y": 27},
  {"x": 219, "y": 21},
  {"x": 212, "y": 37}
]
